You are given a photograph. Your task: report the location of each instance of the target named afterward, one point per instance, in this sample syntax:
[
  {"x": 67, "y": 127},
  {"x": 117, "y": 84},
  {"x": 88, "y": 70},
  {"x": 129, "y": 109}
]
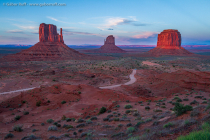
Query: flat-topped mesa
[
  {"x": 169, "y": 37},
  {"x": 48, "y": 33},
  {"x": 169, "y": 43},
  {"x": 110, "y": 40}
]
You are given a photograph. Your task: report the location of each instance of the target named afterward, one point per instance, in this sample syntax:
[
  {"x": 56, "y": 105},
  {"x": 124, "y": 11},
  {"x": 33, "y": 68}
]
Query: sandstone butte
[
  {"x": 169, "y": 43},
  {"x": 50, "y": 47},
  {"x": 110, "y": 47}
]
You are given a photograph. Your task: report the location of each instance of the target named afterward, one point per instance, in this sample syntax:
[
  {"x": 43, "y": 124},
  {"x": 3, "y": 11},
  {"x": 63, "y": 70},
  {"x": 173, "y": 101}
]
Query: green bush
[
  {"x": 38, "y": 103},
  {"x": 50, "y": 120},
  {"x": 181, "y": 109},
  {"x": 63, "y": 102},
  {"x": 199, "y": 135},
  {"x": 168, "y": 125},
  {"x": 128, "y": 106},
  {"x": 26, "y": 113},
  {"x": 17, "y": 128},
  {"x": 52, "y": 128},
  {"x": 130, "y": 129},
  {"x": 102, "y": 110},
  {"x": 17, "y": 118},
  {"x": 10, "y": 135},
  {"x": 147, "y": 107}
]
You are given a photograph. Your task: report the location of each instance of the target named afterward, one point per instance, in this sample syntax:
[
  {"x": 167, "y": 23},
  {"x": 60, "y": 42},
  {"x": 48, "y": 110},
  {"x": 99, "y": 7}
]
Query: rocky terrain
[{"x": 64, "y": 97}]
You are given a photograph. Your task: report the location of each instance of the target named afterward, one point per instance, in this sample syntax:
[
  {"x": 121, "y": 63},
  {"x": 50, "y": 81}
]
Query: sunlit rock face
[{"x": 169, "y": 43}]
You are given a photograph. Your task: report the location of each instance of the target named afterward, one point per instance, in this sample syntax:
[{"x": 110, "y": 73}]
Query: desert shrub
[
  {"x": 50, "y": 120},
  {"x": 139, "y": 123},
  {"x": 38, "y": 103},
  {"x": 135, "y": 113},
  {"x": 68, "y": 119},
  {"x": 197, "y": 135},
  {"x": 105, "y": 119},
  {"x": 42, "y": 124},
  {"x": 128, "y": 106},
  {"x": 52, "y": 128},
  {"x": 26, "y": 113},
  {"x": 23, "y": 101},
  {"x": 117, "y": 106},
  {"x": 147, "y": 107},
  {"x": 34, "y": 130},
  {"x": 18, "y": 128},
  {"x": 93, "y": 118},
  {"x": 194, "y": 113},
  {"x": 88, "y": 121},
  {"x": 102, "y": 110},
  {"x": 140, "y": 102},
  {"x": 10, "y": 135},
  {"x": 129, "y": 124},
  {"x": 127, "y": 111},
  {"x": 68, "y": 126},
  {"x": 186, "y": 99},
  {"x": 116, "y": 119},
  {"x": 109, "y": 111},
  {"x": 58, "y": 125},
  {"x": 55, "y": 123},
  {"x": 199, "y": 97},
  {"x": 80, "y": 130},
  {"x": 118, "y": 134},
  {"x": 131, "y": 130},
  {"x": 17, "y": 118},
  {"x": 80, "y": 125},
  {"x": 163, "y": 106},
  {"x": 168, "y": 125},
  {"x": 63, "y": 102},
  {"x": 181, "y": 109},
  {"x": 208, "y": 106},
  {"x": 157, "y": 110},
  {"x": 109, "y": 116},
  {"x": 179, "y": 100},
  {"x": 155, "y": 123},
  {"x": 127, "y": 101},
  {"x": 193, "y": 102},
  {"x": 63, "y": 117},
  {"x": 148, "y": 120},
  {"x": 204, "y": 102}
]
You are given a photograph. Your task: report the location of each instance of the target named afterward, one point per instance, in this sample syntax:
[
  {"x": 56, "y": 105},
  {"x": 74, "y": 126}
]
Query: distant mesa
[
  {"x": 110, "y": 47},
  {"x": 50, "y": 47},
  {"x": 169, "y": 43}
]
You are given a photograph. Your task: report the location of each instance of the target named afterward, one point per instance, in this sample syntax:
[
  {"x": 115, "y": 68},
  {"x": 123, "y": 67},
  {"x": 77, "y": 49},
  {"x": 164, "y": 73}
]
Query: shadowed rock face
[
  {"x": 169, "y": 43},
  {"x": 48, "y": 32},
  {"x": 109, "y": 46}
]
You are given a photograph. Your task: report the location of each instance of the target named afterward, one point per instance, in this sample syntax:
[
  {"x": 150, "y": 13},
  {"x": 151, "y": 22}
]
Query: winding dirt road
[{"x": 132, "y": 80}]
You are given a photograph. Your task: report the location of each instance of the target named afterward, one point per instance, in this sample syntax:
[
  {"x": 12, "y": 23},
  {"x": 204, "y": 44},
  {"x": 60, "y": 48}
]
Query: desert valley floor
[{"x": 66, "y": 102}]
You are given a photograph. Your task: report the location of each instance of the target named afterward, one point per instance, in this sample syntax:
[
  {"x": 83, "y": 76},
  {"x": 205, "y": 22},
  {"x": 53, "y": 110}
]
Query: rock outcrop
[
  {"x": 50, "y": 47},
  {"x": 48, "y": 32},
  {"x": 110, "y": 47},
  {"x": 169, "y": 43}
]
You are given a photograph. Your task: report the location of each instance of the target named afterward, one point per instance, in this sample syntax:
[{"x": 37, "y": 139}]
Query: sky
[{"x": 131, "y": 22}]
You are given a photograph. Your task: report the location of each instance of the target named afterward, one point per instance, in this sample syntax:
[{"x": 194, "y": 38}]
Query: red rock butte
[
  {"x": 110, "y": 47},
  {"x": 50, "y": 47},
  {"x": 169, "y": 43}
]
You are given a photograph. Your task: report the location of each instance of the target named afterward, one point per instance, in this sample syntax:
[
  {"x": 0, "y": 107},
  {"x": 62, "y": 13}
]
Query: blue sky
[{"x": 132, "y": 22}]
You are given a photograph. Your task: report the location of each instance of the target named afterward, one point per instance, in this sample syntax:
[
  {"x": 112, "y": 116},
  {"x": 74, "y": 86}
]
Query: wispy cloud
[
  {"x": 111, "y": 22},
  {"x": 55, "y": 19},
  {"x": 26, "y": 27},
  {"x": 145, "y": 35},
  {"x": 14, "y": 31},
  {"x": 110, "y": 29},
  {"x": 68, "y": 32}
]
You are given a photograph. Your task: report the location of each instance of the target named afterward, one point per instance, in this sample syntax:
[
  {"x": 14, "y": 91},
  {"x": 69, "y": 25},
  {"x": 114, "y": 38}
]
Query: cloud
[
  {"x": 110, "y": 22},
  {"x": 145, "y": 35},
  {"x": 52, "y": 18},
  {"x": 14, "y": 31},
  {"x": 26, "y": 27},
  {"x": 68, "y": 32},
  {"x": 110, "y": 29}
]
